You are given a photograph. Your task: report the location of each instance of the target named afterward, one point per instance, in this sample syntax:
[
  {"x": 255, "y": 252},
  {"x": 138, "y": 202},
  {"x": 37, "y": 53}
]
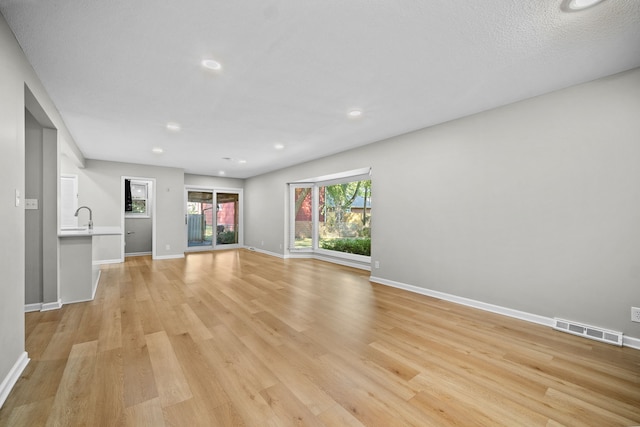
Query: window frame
[
  {"x": 315, "y": 185},
  {"x": 147, "y": 199}
]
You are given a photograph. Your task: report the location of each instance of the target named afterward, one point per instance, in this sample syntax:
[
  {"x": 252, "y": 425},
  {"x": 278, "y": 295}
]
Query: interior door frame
[{"x": 153, "y": 213}]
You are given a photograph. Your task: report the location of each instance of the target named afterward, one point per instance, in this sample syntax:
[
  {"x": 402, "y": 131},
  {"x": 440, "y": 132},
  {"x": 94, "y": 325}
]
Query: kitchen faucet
[{"x": 90, "y": 224}]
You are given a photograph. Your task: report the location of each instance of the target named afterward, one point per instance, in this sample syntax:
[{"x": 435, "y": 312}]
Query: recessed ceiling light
[
  {"x": 242, "y": 161},
  {"x": 157, "y": 150},
  {"x": 574, "y": 5},
  {"x": 173, "y": 126},
  {"x": 221, "y": 173},
  {"x": 279, "y": 146},
  {"x": 211, "y": 64},
  {"x": 354, "y": 114}
]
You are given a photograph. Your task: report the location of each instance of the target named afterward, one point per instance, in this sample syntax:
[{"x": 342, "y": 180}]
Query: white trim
[
  {"x": 362, "y": 259},
  {"x": 214, "y": 193},
  {"x": 48, "y": 306},
  {"x": 143, "y": 215},
  {"x": 28, "y": 308},
  {"x": 340, "y": 176},
  {"x": 12, "y": 377},
  {"x": 631, "y": 342},
  {"x": 75, "y": 301},
  {"x": 262, "y": 251},
  {"x": 240, "y": 224},
  {"x": 106, "y": 261},
  {"x": 312, "y": 255},
  {"x": 154, "y": 189},
  {"x": 95, "y": 285},
  {"x": 333, "y": 260},
  {"x": 509, "y": 312},
  {"x": 40, "y": 306},
  {"x": 159, "y": 257},
  {"x": 533, "y": 318},
  {"x": 136, "y": 254}
]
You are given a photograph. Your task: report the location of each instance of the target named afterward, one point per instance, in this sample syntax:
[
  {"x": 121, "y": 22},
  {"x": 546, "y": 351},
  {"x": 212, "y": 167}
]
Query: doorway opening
[
  {"x": 138, "y": 216},
  {"x": 200, "y": 219},
  {"x": 213, "y": 218}
]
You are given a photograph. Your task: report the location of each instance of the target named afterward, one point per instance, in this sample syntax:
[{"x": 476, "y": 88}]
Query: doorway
[
  {"x": 200, "y": 220},
  {"x": 213, "y": 218},
  {"x": 138, "y": 216},
  {"x": 227, "y": 218}
]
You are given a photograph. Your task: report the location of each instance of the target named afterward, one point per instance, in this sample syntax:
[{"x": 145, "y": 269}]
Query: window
[
  {"x": 344, "y": 217},
  {"x": 68, "y": 201},
  {"x": 332, "y": 214},
  {"x": 140, "y": 199},
  {"x": 302, "y": 224}
]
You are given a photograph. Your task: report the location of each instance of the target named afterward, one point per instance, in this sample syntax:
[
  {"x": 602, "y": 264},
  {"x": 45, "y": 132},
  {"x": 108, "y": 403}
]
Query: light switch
[
  {"x": 17, "y": 197},
  {"x": 31, "y": 203}
]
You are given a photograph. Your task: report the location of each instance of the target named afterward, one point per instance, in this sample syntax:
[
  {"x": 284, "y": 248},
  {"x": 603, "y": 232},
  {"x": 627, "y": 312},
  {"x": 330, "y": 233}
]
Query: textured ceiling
[{"x": 119, "y": 70}]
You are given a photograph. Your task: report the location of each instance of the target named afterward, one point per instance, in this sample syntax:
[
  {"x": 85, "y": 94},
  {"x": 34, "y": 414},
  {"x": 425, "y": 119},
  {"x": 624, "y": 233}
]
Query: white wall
[
  {"x": 212, "y": 181},
  {"x": 15, "y": 74},
  {"x": 534, "y": 206},
  {"x": 100, "y": 188}
]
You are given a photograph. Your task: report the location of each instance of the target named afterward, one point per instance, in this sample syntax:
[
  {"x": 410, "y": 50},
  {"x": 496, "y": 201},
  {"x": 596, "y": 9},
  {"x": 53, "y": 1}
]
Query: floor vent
[{"x": 586, "y": 331}]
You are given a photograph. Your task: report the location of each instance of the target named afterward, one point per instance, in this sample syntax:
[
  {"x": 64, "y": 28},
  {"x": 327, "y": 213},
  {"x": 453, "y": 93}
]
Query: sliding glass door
[
  {"x": 227, "y": 218},
  {"x": 213, "y": 218},
  {"x": 200, "y": 219}
]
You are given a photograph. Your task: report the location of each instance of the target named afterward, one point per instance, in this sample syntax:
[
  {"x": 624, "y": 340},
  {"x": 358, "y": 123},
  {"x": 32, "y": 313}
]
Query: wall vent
[{"x": 586, "y": 331}]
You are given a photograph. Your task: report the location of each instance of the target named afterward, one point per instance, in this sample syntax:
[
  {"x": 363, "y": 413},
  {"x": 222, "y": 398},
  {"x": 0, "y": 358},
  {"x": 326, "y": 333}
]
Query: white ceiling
[{"x": 119, "y": 70}]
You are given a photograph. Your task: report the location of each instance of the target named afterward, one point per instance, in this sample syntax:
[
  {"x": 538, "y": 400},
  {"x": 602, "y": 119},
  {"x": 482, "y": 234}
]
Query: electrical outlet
[
  {"x": 635, "y": 314},
  {"x": 376, "y": 264},
  {"x": 167, "y": 247}
]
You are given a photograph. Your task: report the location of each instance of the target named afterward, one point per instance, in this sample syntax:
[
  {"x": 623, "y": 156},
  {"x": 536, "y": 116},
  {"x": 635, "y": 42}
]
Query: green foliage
[
  {"x": 226, "y": 237},
  {"x": 351, "y": 246}
]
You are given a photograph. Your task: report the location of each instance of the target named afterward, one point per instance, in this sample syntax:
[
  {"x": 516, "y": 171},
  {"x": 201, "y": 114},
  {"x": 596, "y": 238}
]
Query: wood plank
[
  {"x": 172, "y": 385},
  {"x": 235, "y": 337},
  {"x": 72, "y": 404},
  {"x": 147, "y": 413}
]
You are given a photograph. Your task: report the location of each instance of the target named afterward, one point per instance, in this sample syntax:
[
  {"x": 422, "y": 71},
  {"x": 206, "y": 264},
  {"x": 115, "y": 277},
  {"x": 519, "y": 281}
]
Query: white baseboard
[
  {"x": 334, "y": 260},
  {"x": 137, "y": 254},
  {"x": 262, "y": 251},
  {"x": 517, "y": 314},
  {"x": 533, "y": 318},
  {"x": 631, "y": 342},
  {"x": 12, "y": 377},
  {"x": 43, "y": 306},
  {"x": 176, "y": 256},
  {"x": 106, "y": 261},
  {"x": 28, "y": 308},
  {"x": 345, "y": 262},
  {"x": 56, "y": 305}
]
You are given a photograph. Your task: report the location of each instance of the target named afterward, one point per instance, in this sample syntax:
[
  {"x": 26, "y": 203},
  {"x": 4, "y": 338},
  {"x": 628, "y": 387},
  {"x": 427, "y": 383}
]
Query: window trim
[
  {"x": 315, "y": 184},
  {"x": 148, "y": 200}
]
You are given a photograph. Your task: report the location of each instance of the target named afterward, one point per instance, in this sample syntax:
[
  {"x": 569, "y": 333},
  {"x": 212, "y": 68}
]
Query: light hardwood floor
[{"x": 239, "y": 338}]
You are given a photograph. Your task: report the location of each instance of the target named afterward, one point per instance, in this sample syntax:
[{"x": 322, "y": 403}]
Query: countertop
[{"x": 83, "y": 231}]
